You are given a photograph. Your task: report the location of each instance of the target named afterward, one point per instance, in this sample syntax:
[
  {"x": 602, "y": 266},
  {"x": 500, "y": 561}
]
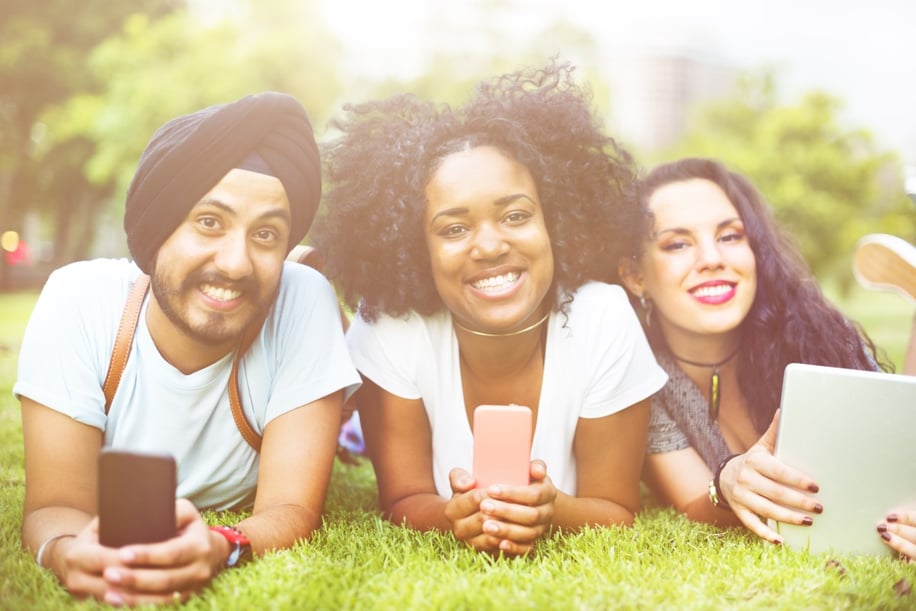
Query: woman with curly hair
[
  {"x": 474, "y": 243},
  {"x": 727, "y": 302}
]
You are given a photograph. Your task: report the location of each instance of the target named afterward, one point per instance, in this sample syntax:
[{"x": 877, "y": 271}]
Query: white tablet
[{"x": 854, "y": 432}]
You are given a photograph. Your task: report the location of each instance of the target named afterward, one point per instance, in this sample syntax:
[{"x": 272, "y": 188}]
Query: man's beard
[{"x": 214, "y": 330}]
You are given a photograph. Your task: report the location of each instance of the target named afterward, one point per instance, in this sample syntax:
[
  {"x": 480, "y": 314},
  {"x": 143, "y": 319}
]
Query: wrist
[
  {"x": 44, "y": 556},
  {"x": 716, "y": 496},
  {"x": 237, "y": 544}
]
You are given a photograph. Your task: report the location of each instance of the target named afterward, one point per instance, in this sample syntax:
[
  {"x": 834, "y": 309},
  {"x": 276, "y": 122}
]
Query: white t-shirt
[
  {"x": 300, "y": 356},
  {"x": 596, "y": 363}
]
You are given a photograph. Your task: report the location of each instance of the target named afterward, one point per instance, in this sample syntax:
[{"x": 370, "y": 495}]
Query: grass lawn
[{"x": 359, "y": 561}]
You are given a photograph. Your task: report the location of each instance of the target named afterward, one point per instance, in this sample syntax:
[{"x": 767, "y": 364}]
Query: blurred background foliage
[{"x": 81, "y": 93}]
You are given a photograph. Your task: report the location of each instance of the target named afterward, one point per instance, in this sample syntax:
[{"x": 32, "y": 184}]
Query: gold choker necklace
[
  {"x": 715, "y": 389},
  {"x": 507, "y": 334}
]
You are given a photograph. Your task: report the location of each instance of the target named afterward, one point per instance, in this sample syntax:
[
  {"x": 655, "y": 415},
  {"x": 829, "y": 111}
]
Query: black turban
[{"x": 190, "y": 154}]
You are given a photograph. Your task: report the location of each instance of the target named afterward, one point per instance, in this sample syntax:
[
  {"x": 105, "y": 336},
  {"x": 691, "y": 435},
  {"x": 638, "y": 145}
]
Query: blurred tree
[
  {"x": 156, "y": 69},
  {"x": 42, "y": 61},
  {"x": 828, "y": 185}
]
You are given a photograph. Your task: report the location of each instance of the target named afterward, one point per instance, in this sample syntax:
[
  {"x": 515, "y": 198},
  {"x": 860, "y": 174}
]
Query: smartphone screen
[
  {"x": 502, "y": 445},
  {"x": 136, "y": 497}
]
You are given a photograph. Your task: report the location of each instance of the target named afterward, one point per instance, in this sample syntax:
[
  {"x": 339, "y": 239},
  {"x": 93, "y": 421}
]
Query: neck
[{"x": 521, "y": 331}]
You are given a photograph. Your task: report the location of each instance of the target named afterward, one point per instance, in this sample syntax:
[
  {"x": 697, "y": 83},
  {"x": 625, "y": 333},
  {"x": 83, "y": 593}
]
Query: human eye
[
  {"x": 267, "y": 236},
  {"x": 454, "y": 230},
  {"x": 675, "y": 245},
  {"x": 517, "y": 217},
  {"x": 208, "y": 222},
  {"x": 732, "y": 236}
]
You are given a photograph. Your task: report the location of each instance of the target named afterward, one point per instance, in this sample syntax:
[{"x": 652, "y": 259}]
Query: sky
[{"x": 864, "y": 53}]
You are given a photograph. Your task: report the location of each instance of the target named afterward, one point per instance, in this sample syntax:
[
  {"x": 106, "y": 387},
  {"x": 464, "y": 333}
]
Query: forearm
[
  {"x": 572, "y": 513},
  {"x": 700, "y": 509},
  {"x": 424, "y": 511},
  {"x": 279, "y": 526},
  {"x": 48, "y": 529}
]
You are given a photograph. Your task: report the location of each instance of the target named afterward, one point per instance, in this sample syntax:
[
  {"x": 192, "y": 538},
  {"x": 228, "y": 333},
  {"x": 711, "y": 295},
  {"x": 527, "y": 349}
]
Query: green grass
[{"x": 359, "y": 561}]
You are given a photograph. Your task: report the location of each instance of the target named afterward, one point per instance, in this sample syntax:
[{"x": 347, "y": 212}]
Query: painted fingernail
[
  {"x": 814, "y": 488},
  {"x": 818, "y": 508},
  {"x": 807, "y": 521},
  {"x": 886, "y": 536},
  {"x": 892, "y": 517},
  {"x": 777, "y": 541},
  {"x": 882, "y": 528}
]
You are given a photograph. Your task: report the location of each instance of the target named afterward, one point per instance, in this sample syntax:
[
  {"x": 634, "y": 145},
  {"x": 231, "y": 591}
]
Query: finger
[
  {"x": 768, "y": 441},
  {"x": 524, "y": 515},
  {"x": 535, "y": 493},
  {"x": 773, "y": 479},
  {"x": 901, "y": 538},
  {"x": 513, "y": 548},
  {"x": 771, "y": 500},
  {"x": 537, "y": 472},
  {"x": 125, "y": 598},
  {"x": 516, "y": 533},
  {"x": 190, "y": 577},
  {"x": 460, "y": 480},
  {"x": 902, "y": 516},
  {"x": 757, "y": 526}
]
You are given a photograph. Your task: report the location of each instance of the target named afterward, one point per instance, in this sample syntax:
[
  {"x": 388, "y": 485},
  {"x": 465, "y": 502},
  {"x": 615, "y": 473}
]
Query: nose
[
  {"x": 709, "y": 256},
  {"x": 489, "y": 242},
  {"x": 232, "y": 257}
]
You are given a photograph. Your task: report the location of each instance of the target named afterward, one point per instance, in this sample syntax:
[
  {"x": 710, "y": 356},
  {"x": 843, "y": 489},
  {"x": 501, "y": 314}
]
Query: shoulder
[
  {"x": 95, "y": 274},
  {"x": 600, "y": 304}
]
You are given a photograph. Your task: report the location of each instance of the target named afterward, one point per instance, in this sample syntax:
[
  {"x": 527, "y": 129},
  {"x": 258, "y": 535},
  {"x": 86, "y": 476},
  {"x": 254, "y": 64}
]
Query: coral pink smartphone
[{"x": 502, "y": 445}]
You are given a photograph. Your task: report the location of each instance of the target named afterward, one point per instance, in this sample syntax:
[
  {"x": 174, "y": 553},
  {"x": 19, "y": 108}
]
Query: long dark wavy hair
[
  {"x": 790, "y": 320},
  {"x": 371, "y": 226}
]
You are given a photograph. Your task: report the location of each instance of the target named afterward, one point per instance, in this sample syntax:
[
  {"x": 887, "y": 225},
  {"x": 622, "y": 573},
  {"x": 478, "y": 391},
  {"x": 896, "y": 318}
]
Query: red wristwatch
[{"x": 240, "y": 546}]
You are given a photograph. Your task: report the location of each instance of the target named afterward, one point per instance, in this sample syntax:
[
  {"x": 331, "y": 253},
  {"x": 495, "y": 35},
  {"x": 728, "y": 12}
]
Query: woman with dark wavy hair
[
  {"x": 473, "y": 242},
  {"x": 727, "y": 302}
]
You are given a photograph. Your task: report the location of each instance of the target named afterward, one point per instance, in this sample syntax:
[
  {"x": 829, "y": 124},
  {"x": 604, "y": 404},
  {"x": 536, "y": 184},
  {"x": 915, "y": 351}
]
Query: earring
[{"x": 646, "y": 305}]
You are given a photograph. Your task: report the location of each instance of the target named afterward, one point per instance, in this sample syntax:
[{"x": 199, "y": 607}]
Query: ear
[{"x": 629, "y": 273}]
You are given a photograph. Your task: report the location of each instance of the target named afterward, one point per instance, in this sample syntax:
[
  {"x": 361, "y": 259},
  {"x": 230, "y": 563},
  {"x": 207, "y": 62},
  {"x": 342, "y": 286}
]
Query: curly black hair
[
  {"x": 790, "y": 320},
  {"x": 371, "y": 227}
]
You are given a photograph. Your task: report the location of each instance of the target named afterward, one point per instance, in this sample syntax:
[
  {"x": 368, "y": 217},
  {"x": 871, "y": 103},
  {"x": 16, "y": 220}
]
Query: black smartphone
[{"x": 136, "y": 497}]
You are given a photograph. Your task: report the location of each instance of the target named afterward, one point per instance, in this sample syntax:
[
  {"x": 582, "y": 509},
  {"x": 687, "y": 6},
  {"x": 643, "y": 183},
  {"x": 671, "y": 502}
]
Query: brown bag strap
[
  {"x": 121, "y": 352},
  {"x": 124, "y": 339}
]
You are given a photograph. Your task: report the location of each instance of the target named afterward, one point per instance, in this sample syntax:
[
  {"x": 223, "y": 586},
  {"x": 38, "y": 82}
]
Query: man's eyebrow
[{"x": 278, "y": 212}]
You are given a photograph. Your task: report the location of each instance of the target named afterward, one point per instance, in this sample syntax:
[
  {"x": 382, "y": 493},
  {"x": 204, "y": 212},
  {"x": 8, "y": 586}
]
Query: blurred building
[{"x": 653, "y": 94}]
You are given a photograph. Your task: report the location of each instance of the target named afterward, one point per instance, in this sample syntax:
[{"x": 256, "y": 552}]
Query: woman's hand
[
  {"x": 167, "y": 572},
  {"x": 520, "y": 515},
  {"x": 463, "y": 512},
  {"x": 758, "y": 487},
  {"x": 899, "y": 532}
]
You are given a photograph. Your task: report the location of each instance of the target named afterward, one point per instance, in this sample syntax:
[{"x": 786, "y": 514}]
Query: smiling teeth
[
  {"x": 496, "y": 281},
  {"x": 712, "y": 291},
  {"x": 220, "y": 294}
]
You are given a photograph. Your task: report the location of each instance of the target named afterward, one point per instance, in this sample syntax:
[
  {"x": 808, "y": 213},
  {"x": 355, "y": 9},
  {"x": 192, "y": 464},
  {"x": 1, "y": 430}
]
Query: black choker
[{"x": 714, "y": 387}]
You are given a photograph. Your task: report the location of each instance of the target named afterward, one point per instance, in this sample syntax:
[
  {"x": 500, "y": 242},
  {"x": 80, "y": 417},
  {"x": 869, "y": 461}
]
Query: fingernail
[
  {"x": 814, "y": 488},
  {"x": 113, "y": 575},
  {"x": 491, "y": 528},
  {"x": 818, "y": 508},
  {"x": 807, "y": 521},
  {"x": 892, "y": 517},
  {"x": 486, "y": 506},
  {"x": 495, "y": 490},
  {"x": 882, "y": 528},
  {"x": 113, "y": 599},
  {"x": 777, "y": 541},
  {"x": 127, "y": 555},
  {"x": 886, "y": 536}
]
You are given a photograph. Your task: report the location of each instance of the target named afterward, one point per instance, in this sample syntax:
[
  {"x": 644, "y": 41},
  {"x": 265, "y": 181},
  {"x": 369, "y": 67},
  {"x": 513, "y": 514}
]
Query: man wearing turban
[{"x": 219, "y": 198}]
